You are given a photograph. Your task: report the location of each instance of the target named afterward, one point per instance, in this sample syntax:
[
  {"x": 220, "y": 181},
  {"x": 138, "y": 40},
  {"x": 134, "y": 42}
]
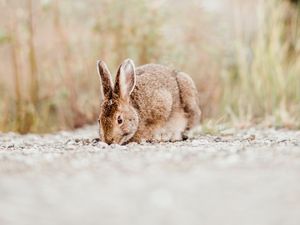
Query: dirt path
[{"x": 250, "y": 177}]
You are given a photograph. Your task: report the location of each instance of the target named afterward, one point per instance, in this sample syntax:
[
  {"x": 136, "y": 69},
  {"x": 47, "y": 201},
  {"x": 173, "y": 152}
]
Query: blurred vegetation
[
  {"x": 263, "y": 80},
  {"x": 48, "y": 50}
]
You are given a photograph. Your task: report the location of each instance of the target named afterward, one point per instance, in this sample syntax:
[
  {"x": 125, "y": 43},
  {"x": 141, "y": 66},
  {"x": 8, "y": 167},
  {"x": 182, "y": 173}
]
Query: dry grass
[
  {"x": 48, "y": 51},
  {"x": 262, "y": 82}
]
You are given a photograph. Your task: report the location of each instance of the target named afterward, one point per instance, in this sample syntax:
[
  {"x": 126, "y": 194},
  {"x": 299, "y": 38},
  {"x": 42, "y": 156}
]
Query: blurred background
[{"x": 242, "y": 54}]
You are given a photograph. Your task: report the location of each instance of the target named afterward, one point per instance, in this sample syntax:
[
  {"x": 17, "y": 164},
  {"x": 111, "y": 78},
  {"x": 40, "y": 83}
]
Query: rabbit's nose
[{"x": 110, "y": 141}]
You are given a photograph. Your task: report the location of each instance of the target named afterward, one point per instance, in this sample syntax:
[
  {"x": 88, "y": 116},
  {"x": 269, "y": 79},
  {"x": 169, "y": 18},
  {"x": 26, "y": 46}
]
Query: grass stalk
[{"x": 34, "y": 84}]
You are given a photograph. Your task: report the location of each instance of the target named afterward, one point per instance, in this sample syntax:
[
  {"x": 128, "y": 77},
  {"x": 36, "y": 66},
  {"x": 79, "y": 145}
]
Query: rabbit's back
[{"x": 153, "y": 82}]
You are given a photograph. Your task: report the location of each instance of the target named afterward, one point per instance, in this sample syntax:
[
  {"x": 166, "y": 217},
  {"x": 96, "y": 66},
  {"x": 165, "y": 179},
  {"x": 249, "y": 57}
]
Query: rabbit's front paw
[
  {"x": 161, "y": 135},
  {"x": 164, "y": 135}
]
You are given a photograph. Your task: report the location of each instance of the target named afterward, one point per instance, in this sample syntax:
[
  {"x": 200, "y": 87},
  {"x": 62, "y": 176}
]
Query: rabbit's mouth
[{"x": 125, "y": 138}]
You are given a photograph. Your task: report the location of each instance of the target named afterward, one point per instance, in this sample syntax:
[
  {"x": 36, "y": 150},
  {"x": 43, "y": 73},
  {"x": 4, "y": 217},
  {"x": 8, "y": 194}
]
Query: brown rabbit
[{"x": 148, "y": 103}]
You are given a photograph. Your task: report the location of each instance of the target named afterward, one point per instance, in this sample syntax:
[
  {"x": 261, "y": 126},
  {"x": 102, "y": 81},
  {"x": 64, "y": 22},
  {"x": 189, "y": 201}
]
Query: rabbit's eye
[{"x": 119, "y": 120}]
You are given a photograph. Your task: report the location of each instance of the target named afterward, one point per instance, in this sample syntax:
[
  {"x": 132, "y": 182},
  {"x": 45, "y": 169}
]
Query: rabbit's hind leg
[{"x": 189, "y": 100}]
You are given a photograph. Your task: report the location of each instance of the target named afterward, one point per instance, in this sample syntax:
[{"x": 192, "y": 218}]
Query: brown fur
[{"x": 162, "y": 105}]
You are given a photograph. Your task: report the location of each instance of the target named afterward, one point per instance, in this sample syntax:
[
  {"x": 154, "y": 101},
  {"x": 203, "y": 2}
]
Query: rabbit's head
[{"x": 118, "y": 120}]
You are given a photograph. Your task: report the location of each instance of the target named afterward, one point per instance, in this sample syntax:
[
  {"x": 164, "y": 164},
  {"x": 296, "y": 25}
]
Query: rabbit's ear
[
  {"x": 105, "y": 77},
  {"x": 125, "y": 79}
]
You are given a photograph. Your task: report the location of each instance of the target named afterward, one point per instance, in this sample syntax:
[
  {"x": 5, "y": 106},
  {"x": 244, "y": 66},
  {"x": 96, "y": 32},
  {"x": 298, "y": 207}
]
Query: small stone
[
  {"x": 10, "y": 146},
  {"x": 218, "y": 139},
  {"x": 252, "y": 137}
]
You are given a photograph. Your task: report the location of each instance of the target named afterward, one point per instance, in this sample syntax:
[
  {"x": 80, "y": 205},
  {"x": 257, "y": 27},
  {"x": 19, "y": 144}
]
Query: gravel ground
[{"x": 249, "y": 177}]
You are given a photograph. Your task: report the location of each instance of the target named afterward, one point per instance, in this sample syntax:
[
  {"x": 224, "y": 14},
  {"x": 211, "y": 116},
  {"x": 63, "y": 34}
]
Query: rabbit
[{"x": 150, "y": 103}]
